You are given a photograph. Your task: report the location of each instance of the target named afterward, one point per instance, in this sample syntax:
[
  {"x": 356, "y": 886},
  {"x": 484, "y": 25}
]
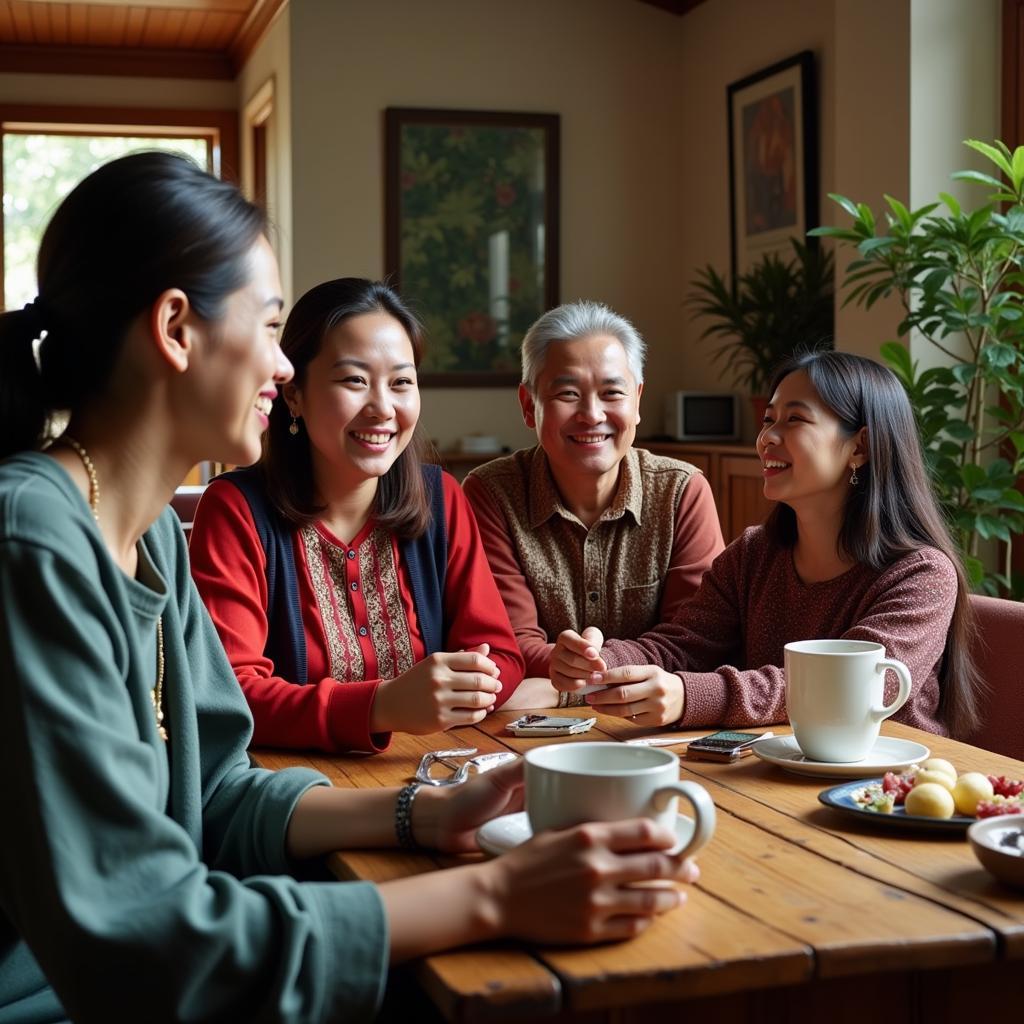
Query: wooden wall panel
[{"x": 741, "y": 492}]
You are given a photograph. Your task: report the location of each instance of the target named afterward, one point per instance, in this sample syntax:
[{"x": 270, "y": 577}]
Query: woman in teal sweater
[{"x": 143, "y": 870}]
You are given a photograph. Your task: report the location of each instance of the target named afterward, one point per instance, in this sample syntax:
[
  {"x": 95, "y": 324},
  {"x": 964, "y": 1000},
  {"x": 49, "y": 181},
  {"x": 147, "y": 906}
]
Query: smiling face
[
  {"x": 239, "y": 365},
  {"x": 585, "y": 409},
  {"x": 806, "y": 457},
  {"x": 359, "y": 401}
]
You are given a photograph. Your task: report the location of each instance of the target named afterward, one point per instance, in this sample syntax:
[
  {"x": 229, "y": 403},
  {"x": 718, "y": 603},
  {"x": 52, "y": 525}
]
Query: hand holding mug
[{"x": 593, "y": 874}]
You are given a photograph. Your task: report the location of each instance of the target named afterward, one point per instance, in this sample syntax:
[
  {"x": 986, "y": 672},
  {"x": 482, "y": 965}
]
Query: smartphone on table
[
  {"x": 549, "y": 725},
  {"x": 723, "y": 746}
]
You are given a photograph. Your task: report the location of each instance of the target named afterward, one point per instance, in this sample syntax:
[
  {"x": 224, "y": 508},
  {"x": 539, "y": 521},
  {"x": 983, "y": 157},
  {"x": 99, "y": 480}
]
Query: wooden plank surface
[
  {"x": 791, "y": 893},
  {"x": 936, "y": 867}
]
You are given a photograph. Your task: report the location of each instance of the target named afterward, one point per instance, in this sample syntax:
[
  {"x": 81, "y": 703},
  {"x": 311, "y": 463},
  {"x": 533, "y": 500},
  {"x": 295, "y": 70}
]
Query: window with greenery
[
  {"x": 45, "y": 151},
  {"x": 39, "y": 170}
]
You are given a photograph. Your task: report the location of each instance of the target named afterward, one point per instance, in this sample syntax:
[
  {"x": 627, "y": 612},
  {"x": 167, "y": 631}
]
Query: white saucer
[
  {"x": 887, "y": 755},
  {"x": 510, "y": 830}
]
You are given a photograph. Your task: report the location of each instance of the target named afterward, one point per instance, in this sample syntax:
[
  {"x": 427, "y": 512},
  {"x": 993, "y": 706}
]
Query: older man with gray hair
[{"x": 584, "y": 529}]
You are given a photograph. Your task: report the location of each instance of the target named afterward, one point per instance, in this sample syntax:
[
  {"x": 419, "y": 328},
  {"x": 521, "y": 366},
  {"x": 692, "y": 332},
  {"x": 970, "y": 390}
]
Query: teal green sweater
[{"x": 140, "y": 880}]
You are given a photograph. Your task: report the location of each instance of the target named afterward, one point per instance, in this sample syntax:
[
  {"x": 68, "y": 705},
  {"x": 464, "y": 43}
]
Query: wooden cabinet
[{"x": 734, "y": 472}]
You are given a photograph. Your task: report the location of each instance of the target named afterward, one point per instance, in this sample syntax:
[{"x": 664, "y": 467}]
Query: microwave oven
[{"x": 702, "y": 416}]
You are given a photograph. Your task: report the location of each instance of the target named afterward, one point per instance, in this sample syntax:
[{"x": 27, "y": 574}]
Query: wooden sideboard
[{"x": 733, "y": 470}]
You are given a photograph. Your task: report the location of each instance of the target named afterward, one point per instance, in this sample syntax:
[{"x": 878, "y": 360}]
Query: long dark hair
[
  {"x": 892, "y": 511},
  {"x": 129, "y": 231},
  {"x": 401, "y": 504}
]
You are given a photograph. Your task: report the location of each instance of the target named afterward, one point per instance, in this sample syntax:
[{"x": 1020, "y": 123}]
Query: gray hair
[{"x": 574, "y": 320}]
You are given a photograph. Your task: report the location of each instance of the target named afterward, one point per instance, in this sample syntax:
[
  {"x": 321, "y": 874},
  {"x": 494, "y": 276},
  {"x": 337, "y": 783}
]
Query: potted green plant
[
  {"x": 777, "y": 307},
  {"x": 958, "y": 275}
]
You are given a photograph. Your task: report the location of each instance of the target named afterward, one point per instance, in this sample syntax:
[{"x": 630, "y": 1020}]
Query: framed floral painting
[
  {"x": 472, "y": 234},
  {"x": 773, "y": 160}
]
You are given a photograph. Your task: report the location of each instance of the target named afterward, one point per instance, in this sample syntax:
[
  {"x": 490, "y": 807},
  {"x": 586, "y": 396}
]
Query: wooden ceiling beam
[
  {"x": 225, "y": 6},
  {"x": 255, "y": 26},
  {"x": 116, "y": 60},
  {"x": 679, "y": 7}
]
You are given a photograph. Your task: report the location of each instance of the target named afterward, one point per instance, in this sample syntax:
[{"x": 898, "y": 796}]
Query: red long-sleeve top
[{"x": 358, "y": 617}]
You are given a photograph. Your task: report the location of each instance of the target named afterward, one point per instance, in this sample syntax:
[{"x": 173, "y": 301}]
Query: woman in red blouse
[{"x": 346, "y": 579}]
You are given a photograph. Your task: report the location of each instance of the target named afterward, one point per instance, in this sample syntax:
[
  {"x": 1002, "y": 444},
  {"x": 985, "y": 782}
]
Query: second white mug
[{"x": 835, "y": 696}]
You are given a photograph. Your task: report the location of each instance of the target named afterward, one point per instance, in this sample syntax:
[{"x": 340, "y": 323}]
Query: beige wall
[
  {"x": 610, "y": 68},
  {"x": 935, "y": 74},
  {"x": 721, "y": 42},
  {"x": 872, "y": 149},
  {"x": 271, "y": 62},
  {"x": 954, "y": 95}
]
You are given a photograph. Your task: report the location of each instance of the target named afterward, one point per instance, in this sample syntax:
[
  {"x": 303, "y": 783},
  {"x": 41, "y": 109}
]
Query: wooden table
[{"x": 800, "y": 914}]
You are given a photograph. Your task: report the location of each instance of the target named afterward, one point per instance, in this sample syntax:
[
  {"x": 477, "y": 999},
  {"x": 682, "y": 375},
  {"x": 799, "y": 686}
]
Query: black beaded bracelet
[{"x": 403, "y": 816}]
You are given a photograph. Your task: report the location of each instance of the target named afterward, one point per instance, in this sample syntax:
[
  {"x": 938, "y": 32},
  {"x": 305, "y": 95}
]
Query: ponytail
[
  {"x": 23, "y": 408},
  {"x": 126, "y": 233}
]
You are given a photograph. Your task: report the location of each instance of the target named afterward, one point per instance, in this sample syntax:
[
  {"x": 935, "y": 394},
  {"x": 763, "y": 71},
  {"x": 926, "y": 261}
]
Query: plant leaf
[
  {"x": 984, "y": 179},
  {"x": 847, "y": 204},
  {"x": 993, "y": 154},
  {"x": 975, "y": 571}
]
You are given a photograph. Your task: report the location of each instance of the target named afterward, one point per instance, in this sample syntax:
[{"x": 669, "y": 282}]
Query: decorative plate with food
[{"x": 929, "y": 795}]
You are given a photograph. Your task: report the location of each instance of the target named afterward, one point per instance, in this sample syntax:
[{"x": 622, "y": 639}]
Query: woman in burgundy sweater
[
  {"x": 856, "y": 548},
  {"x": 340, "y": 570}
]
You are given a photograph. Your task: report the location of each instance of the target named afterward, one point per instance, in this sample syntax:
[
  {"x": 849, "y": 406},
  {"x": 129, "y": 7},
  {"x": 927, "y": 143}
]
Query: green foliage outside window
[{"x": 39, "y": 171}]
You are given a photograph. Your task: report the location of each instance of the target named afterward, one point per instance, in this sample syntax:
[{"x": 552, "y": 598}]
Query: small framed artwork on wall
[
  {"x": 773, "y": 159},
  {"x": 472, "y": 234}
]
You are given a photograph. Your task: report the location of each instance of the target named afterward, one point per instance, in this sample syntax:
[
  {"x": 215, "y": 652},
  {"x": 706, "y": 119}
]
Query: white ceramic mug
[
  {"x": 835, "y": 694},
  {"x": 570, "y": 783}
]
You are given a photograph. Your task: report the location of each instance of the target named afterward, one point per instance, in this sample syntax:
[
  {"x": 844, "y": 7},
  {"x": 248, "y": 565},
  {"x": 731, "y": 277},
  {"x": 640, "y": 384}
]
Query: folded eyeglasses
[{"x": 459, "y": 770}]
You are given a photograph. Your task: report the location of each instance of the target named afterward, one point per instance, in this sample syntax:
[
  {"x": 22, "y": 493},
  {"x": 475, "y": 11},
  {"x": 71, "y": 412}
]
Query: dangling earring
[
  {"x": 854, "y": 479},
  {"x": 294, "y": 428}
]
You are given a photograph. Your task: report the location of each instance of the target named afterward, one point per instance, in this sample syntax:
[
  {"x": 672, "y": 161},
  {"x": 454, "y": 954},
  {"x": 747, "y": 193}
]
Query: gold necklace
[
  {"x": 156, "y": 695},
  {"x": 90, "y": 469}
]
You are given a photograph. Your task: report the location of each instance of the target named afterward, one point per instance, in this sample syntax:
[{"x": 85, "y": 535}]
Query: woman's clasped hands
[
  {"x": 440, "y": 692},
  {"x": 645, "y": 694}
]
